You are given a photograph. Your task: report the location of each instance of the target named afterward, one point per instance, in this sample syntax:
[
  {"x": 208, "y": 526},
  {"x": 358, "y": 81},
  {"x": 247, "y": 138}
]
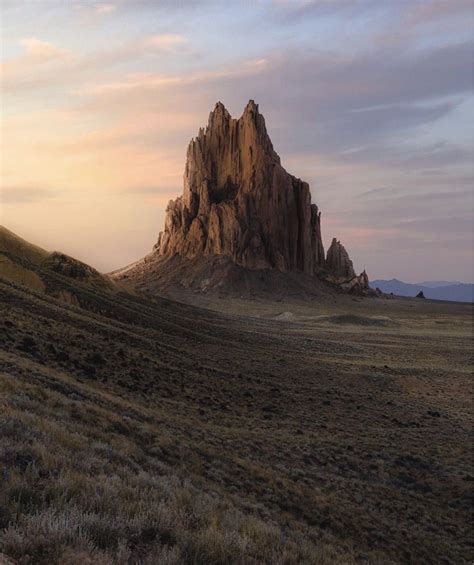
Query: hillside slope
[
  {"x": 150, "y": 431},
  {"x": 54, "y": 273}
]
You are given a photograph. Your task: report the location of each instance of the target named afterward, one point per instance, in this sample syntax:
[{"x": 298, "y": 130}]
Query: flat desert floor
[{"x": 242, "y": 431}]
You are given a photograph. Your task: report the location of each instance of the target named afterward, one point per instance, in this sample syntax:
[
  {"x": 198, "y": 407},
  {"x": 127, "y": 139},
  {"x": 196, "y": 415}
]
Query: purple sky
[{"x": 369, "y": 101}]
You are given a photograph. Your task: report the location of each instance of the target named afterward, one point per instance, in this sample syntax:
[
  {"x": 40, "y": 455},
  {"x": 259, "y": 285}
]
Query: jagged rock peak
[
  {"x": 221, "y": 127},
  {"x": 338, "y": 262},
  {"x": 221, "y": 112},
  {"x": 239, "y": 202},
  {"x": 218, "y": 116}
]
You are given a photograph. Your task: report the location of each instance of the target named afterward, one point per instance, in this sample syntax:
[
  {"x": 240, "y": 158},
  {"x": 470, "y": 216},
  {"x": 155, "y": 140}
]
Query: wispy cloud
[
  {"x": 153, "y": 194},
  {"x": 165, "y": 40},
  {"x": 423, "y": 13},
  {"x": 143, "y": 82},
  {"x": 39, "y": 50},
  {"x": 105, "y": 9},
  {"x": 19, "y": 195},
  {"x": 354, "y": 106},
  {"x": 39, "y": 59},
  {"x": 373, "y": 115},
  {"x": 45, "y": 65}
]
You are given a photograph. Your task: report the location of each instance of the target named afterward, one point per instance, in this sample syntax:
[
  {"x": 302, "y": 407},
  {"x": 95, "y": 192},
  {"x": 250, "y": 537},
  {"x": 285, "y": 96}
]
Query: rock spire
[
  {"x": 240, "y": 202},
  {"x": 338, "y": 262},
  {"x": 240, "y": 205}
]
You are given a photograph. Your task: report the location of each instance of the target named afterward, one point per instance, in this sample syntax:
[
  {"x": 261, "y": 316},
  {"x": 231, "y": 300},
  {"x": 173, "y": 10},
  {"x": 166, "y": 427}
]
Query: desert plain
[{"x": 234, "y": 430}]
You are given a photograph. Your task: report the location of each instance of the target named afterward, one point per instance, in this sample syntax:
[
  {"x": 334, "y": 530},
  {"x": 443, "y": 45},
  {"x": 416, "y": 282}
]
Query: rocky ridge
[{"x": 51, "y": 273}]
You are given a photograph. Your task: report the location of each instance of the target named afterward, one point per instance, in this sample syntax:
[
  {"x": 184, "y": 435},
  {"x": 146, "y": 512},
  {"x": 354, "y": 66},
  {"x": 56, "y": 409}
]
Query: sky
[{"x": 369, "y": 101}]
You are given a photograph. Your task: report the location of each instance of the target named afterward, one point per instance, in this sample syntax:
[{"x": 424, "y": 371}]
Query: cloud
[
  {"x": 370, "y": 93},
  {"x": 404, "y": 231},
  {"x": 376, "y": 126},
  {"x": 146, "y": 82},
  {"x": 105, "y": 9},
  {"x": 153, "y": 190},
  {"x": 402, "y": 20},
  {"x": 39, "y": 59},
  {"x": 39, "y": 50},
  {"x": 293, "y": 10},
  {"x": 422, "y": 13},
  {"x": 409, "y": 156},
  {"x": 165, "y": 40},
  {"x": 19, "y": 195},
  {"x": 46, "y": 66},
  {"x": 360, "y": 107},
  {"x": 379, "y": 192},
  {"x": 419, "y": 197}
]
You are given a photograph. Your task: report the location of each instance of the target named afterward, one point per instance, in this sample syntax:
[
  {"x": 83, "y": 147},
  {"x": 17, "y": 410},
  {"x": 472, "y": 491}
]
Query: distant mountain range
[{"x": 437, "y": 290}]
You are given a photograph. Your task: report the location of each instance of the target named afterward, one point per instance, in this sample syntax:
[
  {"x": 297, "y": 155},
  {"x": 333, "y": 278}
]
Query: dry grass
[
  {"x": 137, "y": 432},
  {"x": 71, "y": 493}
]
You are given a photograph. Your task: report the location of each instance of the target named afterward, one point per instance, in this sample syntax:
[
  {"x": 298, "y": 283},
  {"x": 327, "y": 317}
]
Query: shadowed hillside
[{"x": 148, "y": 431}]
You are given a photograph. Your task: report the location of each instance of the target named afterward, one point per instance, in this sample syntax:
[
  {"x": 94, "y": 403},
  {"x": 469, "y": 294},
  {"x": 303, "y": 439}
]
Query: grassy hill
[{"x": 54, "y": 273}]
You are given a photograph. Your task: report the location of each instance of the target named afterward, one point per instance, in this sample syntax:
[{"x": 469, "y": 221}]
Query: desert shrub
[
  {"x": 44, "y": 536},
  {"x": 28, "y": 344},
  {"x": 78, "y": 487},
  {"x": 96, "y": 359}
]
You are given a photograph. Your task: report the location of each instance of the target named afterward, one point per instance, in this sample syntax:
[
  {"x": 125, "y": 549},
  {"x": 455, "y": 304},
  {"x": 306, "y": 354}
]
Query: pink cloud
[
  {"x": 105, "y": 9},
  {"x": 40, "y": 50}
]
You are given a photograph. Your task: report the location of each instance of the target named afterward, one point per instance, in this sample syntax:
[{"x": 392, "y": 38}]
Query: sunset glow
[{"x": 99, "y": 102}]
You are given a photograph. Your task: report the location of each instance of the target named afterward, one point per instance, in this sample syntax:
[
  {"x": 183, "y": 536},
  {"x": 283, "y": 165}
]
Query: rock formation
[
  {"x": 357, "y": 285},
  {"x": 338, "y": 262},
  {"x": 240, "y": 202},
  {"x": 240, "y": 205}
]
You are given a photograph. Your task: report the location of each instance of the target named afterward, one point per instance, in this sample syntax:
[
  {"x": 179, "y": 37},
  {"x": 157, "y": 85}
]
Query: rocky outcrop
[
  {"x": 239, "y": 201},
  {"x": 54, "y": 274},
  {"x": 69, "y": 267},
  {"x": 338, "y": 262},
  {"x": 341, "y": 271},
  {"x": 358, "y": 284},
  {"x": 240, "y": 207}
]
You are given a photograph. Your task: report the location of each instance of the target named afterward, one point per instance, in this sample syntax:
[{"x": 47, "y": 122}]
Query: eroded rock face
[
  {"x": 358, "y": 284},
  {"x": 338, "y": 262},
  {"x": 240, "y": 202},
  {"x": 65, "y": 265}
]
